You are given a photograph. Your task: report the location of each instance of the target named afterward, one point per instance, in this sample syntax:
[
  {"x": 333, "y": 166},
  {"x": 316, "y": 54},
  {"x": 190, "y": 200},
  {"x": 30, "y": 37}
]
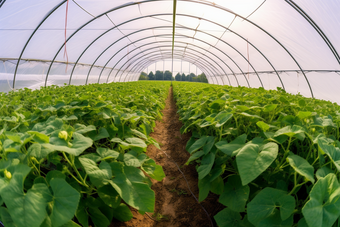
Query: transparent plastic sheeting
[{"x": 292, "y": 44}]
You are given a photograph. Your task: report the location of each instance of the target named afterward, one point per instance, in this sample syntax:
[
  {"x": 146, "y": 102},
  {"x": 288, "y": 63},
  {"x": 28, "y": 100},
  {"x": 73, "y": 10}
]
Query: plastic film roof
[{"x": 292, "y": 44}]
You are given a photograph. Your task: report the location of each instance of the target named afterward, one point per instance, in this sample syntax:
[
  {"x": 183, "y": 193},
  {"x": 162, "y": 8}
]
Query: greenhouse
[{"x": 85, "y": 142}]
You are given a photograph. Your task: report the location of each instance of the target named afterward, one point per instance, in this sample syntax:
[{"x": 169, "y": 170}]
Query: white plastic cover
[{"x": 292, "y": 44}]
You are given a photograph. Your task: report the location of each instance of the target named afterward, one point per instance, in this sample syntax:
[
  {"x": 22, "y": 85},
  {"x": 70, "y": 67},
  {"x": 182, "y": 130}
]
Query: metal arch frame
[
  {"x": 141, "y": 63},
  {"x": 159, "y": 15},
  {"x": 191, "y": 37},
  {"x": 151, "y": 60},
  {"x": 161, "y": 54},
  {"x": 213, "y": 5},
  {"x": 265, "y": 31},
  {"x": 315, "y": 26},
  {"x": 29, "y": 39},
  {"x": 165, "y": 35},
  {"x": 159, "y": 47},
  {"x": 145, "y": 29}
]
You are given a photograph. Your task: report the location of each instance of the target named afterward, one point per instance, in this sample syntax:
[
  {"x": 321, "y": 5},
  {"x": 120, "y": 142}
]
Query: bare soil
[{"x": 175, "y": 206}]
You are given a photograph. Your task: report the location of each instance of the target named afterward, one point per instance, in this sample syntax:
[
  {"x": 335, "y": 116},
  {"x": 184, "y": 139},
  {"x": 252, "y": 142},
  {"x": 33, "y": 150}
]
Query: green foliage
[
  {"x": 76, "y": 154},
  {"x": 273, "y": 157}
]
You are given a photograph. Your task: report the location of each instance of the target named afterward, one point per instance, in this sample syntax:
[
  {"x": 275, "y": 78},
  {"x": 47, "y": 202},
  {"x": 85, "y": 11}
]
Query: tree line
[{"x": 167, "y": 75}]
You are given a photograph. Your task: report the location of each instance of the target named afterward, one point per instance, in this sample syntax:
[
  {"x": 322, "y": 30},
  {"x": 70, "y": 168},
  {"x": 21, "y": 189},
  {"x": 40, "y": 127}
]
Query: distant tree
[
  {"x": 159, "y": 75},
  {"x": 143, "y": 76},
  {"x": 183, "y": 77},
  {"x": 202, "y": 78},
  {"x": 167, "y": 75},
  {"x": 151, "y": 76},
  {"x": 178, "y": 77}
]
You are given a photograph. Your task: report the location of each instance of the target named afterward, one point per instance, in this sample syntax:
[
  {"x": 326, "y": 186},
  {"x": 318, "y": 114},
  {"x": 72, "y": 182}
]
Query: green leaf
[
  {"x": 301, "y": 166},
  {"x": 79, "y": 144},
  {"x": 323, "y": 172},
  {"x": 204, "y": 188},
  {"x": 131, "y": 160},
  {"x": 323, "y": 207},
  {"x": 122, "y": 213},
  {"x": 129, "y": 183},
  {"x": 332, "y": 152},
  {"x": 106, "y": 153},
  {"x": 39, "y": 137},
  {"x": 54, "y": 174},
  {"x": 235, "y": 195},
  {"x": 136, "y": 142},
  {"x": 209, "y": 144},
  {"x": 97, "y": 217},
  {"x": 269, "y": 107},
  {"x": 102, "y": 134},
  {"x": 64, "y": 203},
  {"x": 98, "y": 175},
  {"x": 195, "y": 156},
  {"x": 264, "y": 206},
  {"x": 198, "y": 144},
  {"x": 233, "y": 147},
  {"x": 29, "y": 209},
  {"x": 109, "y": 195},
  {"x": 265, "y": 127},
  {"x": 217, "y": 186},
  {"x": 253, "y": 159},
  {"x": 291, "y": 131},
  {"x": 6, "y": 218},
  {"x": 222, "y": 118},
  {"x": 153, "y": 170},
  {"x": 228, "y": 218},
  {"x": 206, "y": 165},
  {"x": 39, "y": 150}
]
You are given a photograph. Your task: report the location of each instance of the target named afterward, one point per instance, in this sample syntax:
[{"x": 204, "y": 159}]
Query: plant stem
[{"x": 75, "y": 169}]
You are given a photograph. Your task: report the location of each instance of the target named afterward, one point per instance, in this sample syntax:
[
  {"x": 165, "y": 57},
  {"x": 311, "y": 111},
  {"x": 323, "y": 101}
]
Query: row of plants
[
  {"x": 272, "y": 157},
  {"x": 75, "y": 155}
]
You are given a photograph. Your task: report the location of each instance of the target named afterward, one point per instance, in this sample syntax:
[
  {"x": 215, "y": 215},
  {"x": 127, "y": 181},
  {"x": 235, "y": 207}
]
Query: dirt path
[{"x": 175, "y": 206}]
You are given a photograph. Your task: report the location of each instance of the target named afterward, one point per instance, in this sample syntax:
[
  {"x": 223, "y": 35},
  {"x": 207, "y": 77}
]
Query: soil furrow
[{"x": 175, "y": 206}]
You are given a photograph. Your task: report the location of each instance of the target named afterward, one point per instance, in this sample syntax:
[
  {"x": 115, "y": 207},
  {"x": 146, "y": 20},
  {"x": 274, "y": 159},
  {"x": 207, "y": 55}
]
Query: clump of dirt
[{"x": 175, "y": 206}]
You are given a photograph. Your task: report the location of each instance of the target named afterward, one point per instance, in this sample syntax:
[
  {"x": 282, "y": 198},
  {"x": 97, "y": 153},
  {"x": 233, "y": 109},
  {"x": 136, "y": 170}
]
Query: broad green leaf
[
  {"x": 323, "y": 172},
  {"x": 109, "y": 196},
  {"x": 291, "y": 131},
  {"x": 222, "y": 118},
  {"x": 39, "y": 150},
  {"x": 129, "y": 183},
  {"x": 264, "y": 206},
  {"x": 269, "y": 107},
  {"x": 131, "y": 160},
  {"x": 54, "y": 174},
  {"x": 153, "y": 170},
  {"x": 250, "y": 115},
  {"x": 79, "y": 144},
  {"x": 253, "y": 159},
  {"x": 206, "y": 165},
  {"x": 198, "y": 144},
  {"x": 97, "y": 217},
  {"x": 102, "y": 134},
  {"x": 204, "y": 188},
  {"x": 29, "y": 209},
  {"x": 265, "y": 127},
  {"x": 235, "y": 195},
  {"x": 228, "y": 218},
  {"x": 233, "y": 147},
  {"x": 6, "y": 217},
  {"x": 122, "y": 213},
  {"x": 64, "y": 202},
  {"x": 209, "y": 144},
  {"x": 106, "y": 153},
  {"x": 39, "y": 137},
  {"x": 301, "y": 166},
  {"x": 136, "y": 142},
  {"x": 82, "y": 129},
  {"x": 217, "y": 186},
  {"x": 98, "y": 175},
  {"x": 323, "y": 207},
  {"x": 195, "y": 156},
  {"x": 332, "y": 152},
  {"x": 275, "y": 220},
  {"x": 81, "y": 213},
  {"x": 302, "y": 115}
]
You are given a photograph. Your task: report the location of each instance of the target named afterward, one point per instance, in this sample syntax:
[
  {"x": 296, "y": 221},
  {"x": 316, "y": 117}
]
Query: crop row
[
  {"x": 272, "y": 157},
  {"x": 76, "y": 154}
]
